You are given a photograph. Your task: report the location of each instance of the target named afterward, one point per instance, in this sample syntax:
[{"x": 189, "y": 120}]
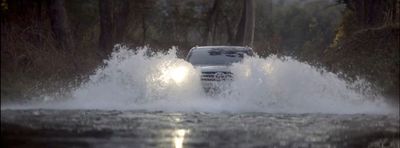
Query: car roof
[
  {"x": 222, "y": 47},
  {"x": 201, "y": 49}
]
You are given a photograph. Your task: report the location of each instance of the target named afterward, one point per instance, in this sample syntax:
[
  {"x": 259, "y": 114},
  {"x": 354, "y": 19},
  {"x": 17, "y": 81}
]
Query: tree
[
  {"x": 120, "y": 18},
  {"x": 245, "y": 32},
  {"x": 60, "y": 25},
  {"x": 106, "y": 38},
  {"x": 212, "y": 20}
]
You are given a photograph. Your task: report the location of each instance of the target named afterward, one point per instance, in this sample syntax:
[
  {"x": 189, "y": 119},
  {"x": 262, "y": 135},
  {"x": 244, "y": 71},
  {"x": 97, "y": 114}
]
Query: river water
[
  {"x": 138, "y": 79},
  {"x": 145, "y": 99},
  {"x": 113, "y": 128}
]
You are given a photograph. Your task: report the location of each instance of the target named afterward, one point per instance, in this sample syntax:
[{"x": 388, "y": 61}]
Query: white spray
[{"x": 133, "y": 80}]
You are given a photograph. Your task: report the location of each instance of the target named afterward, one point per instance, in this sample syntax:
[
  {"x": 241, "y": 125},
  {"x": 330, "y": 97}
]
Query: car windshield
[{"x": 216, "y": 56}]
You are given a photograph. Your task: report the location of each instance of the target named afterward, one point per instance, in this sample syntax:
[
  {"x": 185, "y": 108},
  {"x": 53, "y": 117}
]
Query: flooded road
[
  {"x": 271, "y": 102},
  {"x": 113, "y": 128}
]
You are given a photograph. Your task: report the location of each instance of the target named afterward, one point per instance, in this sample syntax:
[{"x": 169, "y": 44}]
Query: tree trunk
[
  {"x": 144, "y": 29},
  {"x": 106, "y": 39},
  {"x": 245, "y": 32},
  {"x": 211, "y": 23},
  {"x": 59, "y": 24},
  {"x": 121, "y": 19},
  {"x": 144, "y": 8},
  {"x": 229, "y": 30},
  {"x": 214, "y": 29}
]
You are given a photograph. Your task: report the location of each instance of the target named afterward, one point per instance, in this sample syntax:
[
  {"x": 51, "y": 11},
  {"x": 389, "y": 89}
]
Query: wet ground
[{"x": 102, "y": 128}]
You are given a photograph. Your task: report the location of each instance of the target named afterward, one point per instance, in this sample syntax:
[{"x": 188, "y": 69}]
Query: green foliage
[
  {"x": 4, "y": 5},
  {"x": 367, "y": 45},
  {"x": 300, "y": 29}
]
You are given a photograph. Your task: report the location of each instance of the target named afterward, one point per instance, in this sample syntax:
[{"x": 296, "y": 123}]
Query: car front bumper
[{"x": 214, "y": 87}]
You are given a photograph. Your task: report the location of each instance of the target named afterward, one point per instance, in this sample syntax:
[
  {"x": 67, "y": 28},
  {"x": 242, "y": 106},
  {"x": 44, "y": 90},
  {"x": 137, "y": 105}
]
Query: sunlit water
[{"x": 137, "y": 79}]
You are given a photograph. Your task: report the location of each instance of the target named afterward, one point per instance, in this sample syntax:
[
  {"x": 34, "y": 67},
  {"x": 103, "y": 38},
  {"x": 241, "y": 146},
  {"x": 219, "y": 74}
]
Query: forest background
[{"x": 49, "y": 44}]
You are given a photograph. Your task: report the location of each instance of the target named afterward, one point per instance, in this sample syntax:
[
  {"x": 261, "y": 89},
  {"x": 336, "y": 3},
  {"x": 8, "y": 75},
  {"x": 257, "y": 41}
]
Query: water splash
[{"x": 139, "y": 80}]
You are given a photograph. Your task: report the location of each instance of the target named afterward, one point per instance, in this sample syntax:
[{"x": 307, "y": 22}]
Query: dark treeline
[
  {"x": 367, "y": 44},
  {"x": 47, "y": 41}
]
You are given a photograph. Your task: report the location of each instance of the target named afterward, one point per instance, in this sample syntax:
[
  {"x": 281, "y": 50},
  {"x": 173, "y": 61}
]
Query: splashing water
[{"x": 134, "y": 80}]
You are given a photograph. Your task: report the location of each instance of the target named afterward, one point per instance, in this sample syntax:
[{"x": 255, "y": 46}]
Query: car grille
[{"x": 216, "y": 76}]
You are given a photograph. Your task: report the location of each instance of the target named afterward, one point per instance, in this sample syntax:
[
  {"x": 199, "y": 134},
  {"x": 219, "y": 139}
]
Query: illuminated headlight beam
[{"x": 178, "y": 74}]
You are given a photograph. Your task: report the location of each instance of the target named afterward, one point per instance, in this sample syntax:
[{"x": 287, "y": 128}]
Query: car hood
[{"x": 213, "y": 68}]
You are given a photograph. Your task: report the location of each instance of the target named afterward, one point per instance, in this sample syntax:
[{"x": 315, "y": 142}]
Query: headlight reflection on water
[{"x": 178, "y": 137}]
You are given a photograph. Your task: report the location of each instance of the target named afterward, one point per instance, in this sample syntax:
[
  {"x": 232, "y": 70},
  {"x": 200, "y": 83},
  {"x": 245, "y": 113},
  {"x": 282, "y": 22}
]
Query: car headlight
[{"x": 178, "y": 74}]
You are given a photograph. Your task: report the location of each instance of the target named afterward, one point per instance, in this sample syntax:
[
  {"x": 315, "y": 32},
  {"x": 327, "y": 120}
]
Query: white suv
[{"x": 214, "y": 63}]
